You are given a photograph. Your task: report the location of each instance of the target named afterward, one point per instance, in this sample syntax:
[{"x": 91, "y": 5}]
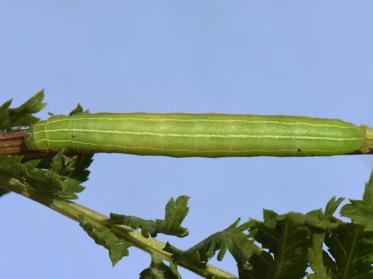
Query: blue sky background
[{"x": 312, "y": 58}]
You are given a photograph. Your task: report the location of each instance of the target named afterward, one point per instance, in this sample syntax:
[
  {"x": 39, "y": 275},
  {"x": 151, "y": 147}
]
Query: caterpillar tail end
[{"x": 368, "y": 143}]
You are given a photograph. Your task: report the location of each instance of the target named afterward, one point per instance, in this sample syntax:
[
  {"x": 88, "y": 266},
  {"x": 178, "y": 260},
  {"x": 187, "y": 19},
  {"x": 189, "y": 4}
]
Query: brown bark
[{"x": 12, "y": 143}]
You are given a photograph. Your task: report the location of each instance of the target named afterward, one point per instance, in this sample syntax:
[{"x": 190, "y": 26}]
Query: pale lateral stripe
[
  {"x": 201, "y": 120},
  {"x": 121, "y": 147},
  {"x": 193, "y": 135}
]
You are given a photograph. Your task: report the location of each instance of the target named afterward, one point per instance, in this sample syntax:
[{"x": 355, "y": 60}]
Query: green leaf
[
  {"x": 159, "y": 270},
  {"x": 232, "y": 239},
  {"x": 361, "y": 211},
  {"x": 332, "y": 207},
  {"x": 286, "y": 239},
  {"x": 175, "y": 213},
  {"x": 75, "y": 166},
  {"x": 118, "y": 248},
  {"x": 352, "y": 251},
  {"x": 60, "y": 178},
  {"x": 5, "y": 122},
  {"x": 23, "y": 115},
  {"x": 62, "y": 164},
  {"x": 316, "y": 255},
  {"x": 82, "y": 163},
  {"x": 3, "y": 192},
  {"x": 78, "y": 110},
  {"x": 148, "y": 227}
]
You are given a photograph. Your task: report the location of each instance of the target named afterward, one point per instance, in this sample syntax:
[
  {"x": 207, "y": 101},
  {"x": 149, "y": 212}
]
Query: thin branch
[
  {"x": 73, "y": 211},
  {"x": 13, "y": 143}
]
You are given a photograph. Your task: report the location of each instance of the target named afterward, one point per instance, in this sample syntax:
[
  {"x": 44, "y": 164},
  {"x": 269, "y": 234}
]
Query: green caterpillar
[{"x": 198, "y": 135}]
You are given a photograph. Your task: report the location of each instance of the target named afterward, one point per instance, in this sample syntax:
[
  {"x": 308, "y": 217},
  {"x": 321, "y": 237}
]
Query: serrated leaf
[
  {"x": 175, "y": 213},
  {"x": 75, "y": 166},
  {"x": 286, "y": 239},
  {"x": 4, "y": 116},
  {"x": 62, "y": 164},
  {"x": 23, "y": 115},
  {"x": 316, "y": 255},
  {"x": 118, "y": 248},
  {"x": 148, "y": 227},
  {"x": 78, "y": 110},
  {"x": 231, "y": 239},
  {"x": 361, "y": 211},
  {"x": 332, "y": 206},
  {"x": 82, "y": 163},
  {"x": 32, "y": 105},
  {"x": 3, "y": 192},
  {"x": 159, "y": 270},
  {"x": 352, "y": 252},
  {"x": 60, "y": 178}
]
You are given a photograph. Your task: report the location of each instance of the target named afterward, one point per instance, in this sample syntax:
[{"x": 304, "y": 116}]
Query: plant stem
[
  {"x": 74, "y": 210},
  {"x": 368, "y": 145}
]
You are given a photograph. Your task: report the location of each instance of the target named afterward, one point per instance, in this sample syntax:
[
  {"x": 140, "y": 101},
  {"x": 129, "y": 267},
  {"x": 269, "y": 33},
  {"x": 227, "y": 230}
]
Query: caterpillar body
[{"x": 197, "y": 135}]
